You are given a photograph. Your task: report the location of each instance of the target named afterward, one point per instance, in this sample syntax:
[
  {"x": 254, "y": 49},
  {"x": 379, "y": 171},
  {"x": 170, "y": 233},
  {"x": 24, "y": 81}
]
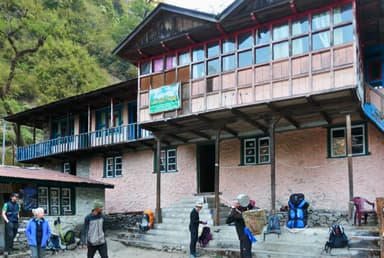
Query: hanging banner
[{"x": 164, "y": 98}]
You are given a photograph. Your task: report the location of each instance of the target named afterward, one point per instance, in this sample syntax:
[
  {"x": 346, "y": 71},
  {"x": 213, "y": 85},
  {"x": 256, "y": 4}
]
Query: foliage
[{"x": 53, "y": 49}]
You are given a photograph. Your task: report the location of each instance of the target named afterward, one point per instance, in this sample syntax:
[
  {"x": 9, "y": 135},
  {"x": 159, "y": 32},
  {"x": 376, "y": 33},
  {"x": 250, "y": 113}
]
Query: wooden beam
[
  {"x": 178, "y": 126},
  {"x": 284, "y": 114},
  {"x": 322, "y": 113},
  {"x": 216, "y": 124},
  {"x": 217, "y": 178},
  {"x": 159, "y": 218},
  {"x": 247, "y": 119},
  {"x": 203, "y": 135},
  {"x": 182, "y": 139}
]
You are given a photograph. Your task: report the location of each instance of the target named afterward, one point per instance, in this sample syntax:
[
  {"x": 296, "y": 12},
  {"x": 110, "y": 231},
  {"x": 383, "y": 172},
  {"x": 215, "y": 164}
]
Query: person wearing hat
[
  {"x": 10, "y": 214},
  {"x": 236, "y": 215},
  {"x": 93, "y": 234},
  {"x": 194, "y": 228}
]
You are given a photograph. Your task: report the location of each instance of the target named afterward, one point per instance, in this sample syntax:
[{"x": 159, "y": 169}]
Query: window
[
  {"x": 198, "y": 54},
  {"x": 256, "y": 151},
  {"x": 228, "y": 63},
  {"x": 338, "y": 141},
  {"x": 67, "y": 168},
  {"x": 213, "y": 49},
  {"x": 320, "y": 40},
  {"x": 158, "y": 65},
  {"x": 300, "y": 26},
  {"x": 262, "y": 55},
  {"x": 342, "y": 14},
  {"x": 245, "y": 58},
  {"x": 103, "y": 118},
  {"x": 320, "y": 21},
  {"x": 170, "y": 62},
  {"x": 184, "y": 58},
  {"x": 145, "y": 68},
  {"x": 343, "y": 35},
  {"x": 56, "y": 200},
  {"x": 280, "y": 32},
  {"x": 280, "y": 50},
  {"x": 263, "y": 36},
  {"x": 113, "y": 166},
  {"x": 198, "y": 71},
  {"x": 228, "y": 45},
  {"x": 62, "y": 127},
  {"x": 300, "y": 45},
  {"x": 245, "y": 40},
  {"x": 213, "y": 66},
  {"x": 168, "y": 160}
]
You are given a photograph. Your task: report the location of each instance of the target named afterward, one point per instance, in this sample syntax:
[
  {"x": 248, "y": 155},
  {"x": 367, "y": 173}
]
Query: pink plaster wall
[{"x": 301, "y": 166}]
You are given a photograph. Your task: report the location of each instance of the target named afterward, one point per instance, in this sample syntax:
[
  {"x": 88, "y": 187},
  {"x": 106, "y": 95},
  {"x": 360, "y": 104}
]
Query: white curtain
[{"x": 321, "y": 21}]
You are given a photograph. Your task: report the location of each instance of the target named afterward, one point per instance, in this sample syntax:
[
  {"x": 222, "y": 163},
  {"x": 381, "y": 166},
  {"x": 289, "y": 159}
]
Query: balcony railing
[{"x": 121, "y": 134}]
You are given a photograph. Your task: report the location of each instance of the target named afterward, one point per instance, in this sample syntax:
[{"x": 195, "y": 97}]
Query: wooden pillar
[
  {"x": 273, "y": 165},
  {"x": 217, "y": 178},
  {"x": 111, "y": 125},
  {"x": 18, "y": 139},
  {"x": 350, "y": 165},
  {"x": 89, "y": 118},
  {"x": 158, "y": 182}
]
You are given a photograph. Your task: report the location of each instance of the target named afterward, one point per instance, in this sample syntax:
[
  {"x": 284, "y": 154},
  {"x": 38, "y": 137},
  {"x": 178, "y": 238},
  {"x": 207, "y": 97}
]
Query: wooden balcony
[
  {"x": 85, "y": 141},
  {"x": 319, "y": 72}
]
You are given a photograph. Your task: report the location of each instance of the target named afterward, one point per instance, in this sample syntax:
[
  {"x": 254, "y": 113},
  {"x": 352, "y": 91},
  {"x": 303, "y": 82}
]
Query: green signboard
[{"x": 164, "y": 98}]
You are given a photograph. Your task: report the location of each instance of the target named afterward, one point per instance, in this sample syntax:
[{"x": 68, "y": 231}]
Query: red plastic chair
[{"x": 363, "y": 207}]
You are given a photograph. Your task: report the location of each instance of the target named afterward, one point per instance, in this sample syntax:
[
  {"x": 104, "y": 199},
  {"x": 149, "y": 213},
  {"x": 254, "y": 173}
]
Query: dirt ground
[{"x": 119, "y": 250}]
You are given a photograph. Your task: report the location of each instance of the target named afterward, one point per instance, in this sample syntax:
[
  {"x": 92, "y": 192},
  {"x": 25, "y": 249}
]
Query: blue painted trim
[{"x": 374, "y": 114}]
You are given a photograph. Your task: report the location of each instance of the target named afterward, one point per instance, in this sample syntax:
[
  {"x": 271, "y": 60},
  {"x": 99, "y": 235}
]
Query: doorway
[{"x": 206, "y": 168}]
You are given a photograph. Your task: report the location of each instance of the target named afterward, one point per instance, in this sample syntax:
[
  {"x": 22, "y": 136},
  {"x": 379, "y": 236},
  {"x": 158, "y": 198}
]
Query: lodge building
[{"x": 266, "y": 98}]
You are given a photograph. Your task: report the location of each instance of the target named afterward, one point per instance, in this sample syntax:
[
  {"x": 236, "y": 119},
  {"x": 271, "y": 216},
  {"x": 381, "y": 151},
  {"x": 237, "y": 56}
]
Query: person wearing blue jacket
[{"x": 38, "y": 233}]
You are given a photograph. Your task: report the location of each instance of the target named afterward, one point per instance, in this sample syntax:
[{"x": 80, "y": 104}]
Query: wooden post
[
  {"x": 380, "y": 219},
  {"x": 217, "y": 178},
  {"x": 350, "y": 165},
  {"x": 272, "y": 123},
  {"x": 158, "y": 182}
]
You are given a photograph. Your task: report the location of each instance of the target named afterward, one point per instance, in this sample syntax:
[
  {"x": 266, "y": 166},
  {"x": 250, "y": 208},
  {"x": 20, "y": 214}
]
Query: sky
[{"x": 210, "y": 6}]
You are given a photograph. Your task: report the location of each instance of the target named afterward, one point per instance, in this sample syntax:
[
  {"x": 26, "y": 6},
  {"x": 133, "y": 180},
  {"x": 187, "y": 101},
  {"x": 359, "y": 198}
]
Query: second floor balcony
[{"x": 126, "y": 134}]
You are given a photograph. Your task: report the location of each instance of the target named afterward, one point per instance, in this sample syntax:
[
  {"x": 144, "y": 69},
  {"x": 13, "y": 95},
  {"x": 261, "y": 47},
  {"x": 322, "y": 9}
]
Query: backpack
[
  {"x": 273, "y": 225},
  {"x": 205, "y": 236},
  {"x": 337, "y": 238},
  {"x": 144, "y": 225},
  {"x": 70, "y": 240}
]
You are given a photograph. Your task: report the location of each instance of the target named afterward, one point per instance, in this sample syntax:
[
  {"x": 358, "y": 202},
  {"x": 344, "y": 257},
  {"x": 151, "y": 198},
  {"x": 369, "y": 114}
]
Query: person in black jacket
[
  {"x": 194, "y": 229},
  {"x": 236, "y": 216},
  {"x": 10, "y": 214}
]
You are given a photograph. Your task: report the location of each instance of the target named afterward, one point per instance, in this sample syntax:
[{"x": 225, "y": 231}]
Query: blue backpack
[{"x": 297, "y": 215}]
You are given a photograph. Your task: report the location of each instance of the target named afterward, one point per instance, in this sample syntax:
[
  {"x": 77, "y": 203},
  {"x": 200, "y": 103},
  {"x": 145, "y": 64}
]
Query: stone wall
[{"x": 126, "y": 221}]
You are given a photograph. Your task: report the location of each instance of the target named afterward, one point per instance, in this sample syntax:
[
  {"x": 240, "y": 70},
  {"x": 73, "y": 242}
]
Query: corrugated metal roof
[{"x": 15, "y": 174}]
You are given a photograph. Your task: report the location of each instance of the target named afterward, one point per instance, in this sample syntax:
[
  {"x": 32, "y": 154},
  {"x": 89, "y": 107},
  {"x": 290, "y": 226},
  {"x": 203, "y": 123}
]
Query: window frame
[
  {"x": 45, "y": 193},
  {"x": 111, "y": 164},
  {"x": 344, "y": 129},
  {"x": 256, "y": 154},
  {"x": 165, "y": 160}
]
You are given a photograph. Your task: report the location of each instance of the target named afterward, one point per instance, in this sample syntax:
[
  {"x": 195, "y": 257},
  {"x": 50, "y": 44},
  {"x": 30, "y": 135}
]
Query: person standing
[
  {"x": 194, "y": 229},
  {"x": 10, "y": 214},
  {"x": 236, "y": 216},
  {"x": 38, "y": 233},
  {"x": 93, "y": 234}
]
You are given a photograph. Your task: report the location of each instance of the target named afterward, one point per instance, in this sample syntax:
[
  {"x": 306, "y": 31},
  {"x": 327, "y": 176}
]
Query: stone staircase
[{"x": 173, "y": 235}]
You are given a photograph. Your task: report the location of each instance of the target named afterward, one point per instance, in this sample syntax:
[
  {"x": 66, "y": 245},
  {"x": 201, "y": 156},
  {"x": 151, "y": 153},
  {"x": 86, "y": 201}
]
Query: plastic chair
[{"x": 363, "y": 207}]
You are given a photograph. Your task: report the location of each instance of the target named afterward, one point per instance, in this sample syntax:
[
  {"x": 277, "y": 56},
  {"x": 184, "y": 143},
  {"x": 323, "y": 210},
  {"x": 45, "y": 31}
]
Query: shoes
[{"x": 197, "y": 255}]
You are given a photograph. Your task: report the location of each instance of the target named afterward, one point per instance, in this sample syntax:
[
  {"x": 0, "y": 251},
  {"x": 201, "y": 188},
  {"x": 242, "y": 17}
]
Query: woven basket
[{"x": 255, "y": 220}]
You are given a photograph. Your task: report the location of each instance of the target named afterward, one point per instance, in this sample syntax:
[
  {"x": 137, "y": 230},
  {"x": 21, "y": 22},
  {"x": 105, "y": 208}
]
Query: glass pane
[
  {"x": 170, "y": 62},
  {"x": 320, "y": 40},
  {"x": 213, "y": 66},
  {"x": 145, "y": 68},
  {"x": 245, "y": 58},
  {"x": 198, "y": 71},
  {"x": 245, "y": 40},
  {"x": 213, "y": 49},
  {"x": 158, "y": 65},
  {"x": 198, "y": 54},
  {"x": 300, "y": 26},
  {"x": 300, "y": 45},
  {"x": 358, "y": 130},
  {"x": 262, "y": 54},
  {"x": 280, "y": 50},
  {"x": 343, "y": 35},
  {"x": 338, "y": 142},
  {"x": 280, "y": 32},
  {"x": 263, "y": 36},
  {"x": 228, "y": 45},
  {"x": 342, "y": 14},
  {"x": 250, "y": 151},
  {"x": 320, "y": 21},
  {"x": 184, "y": 58},
  {"x": 228, "y": 63}
]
